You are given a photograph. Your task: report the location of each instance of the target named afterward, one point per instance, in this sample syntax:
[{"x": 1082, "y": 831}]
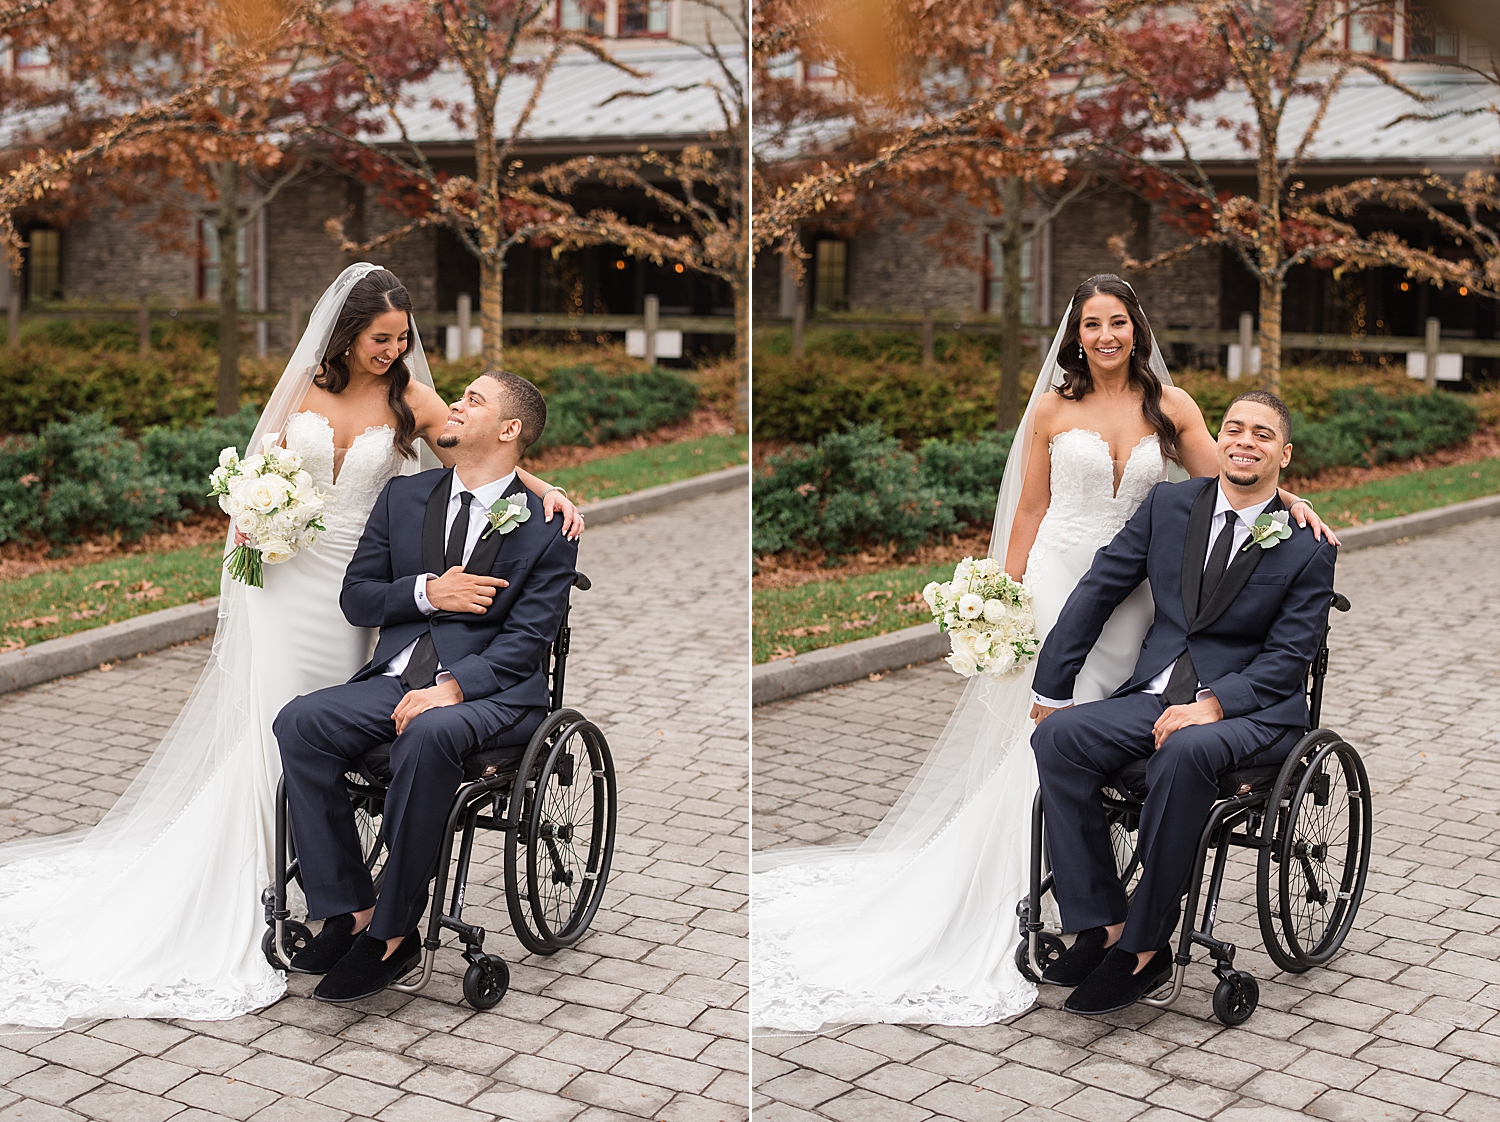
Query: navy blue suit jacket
[
  {"x": 500, "y": 654},
  {"x": 1254, "y": 639}
]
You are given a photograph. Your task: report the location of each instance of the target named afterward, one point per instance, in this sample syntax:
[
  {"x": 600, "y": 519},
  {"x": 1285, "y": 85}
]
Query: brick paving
[
  {"x": 1400, "y": 1026},
  {"x": 645, "y": 1018}
]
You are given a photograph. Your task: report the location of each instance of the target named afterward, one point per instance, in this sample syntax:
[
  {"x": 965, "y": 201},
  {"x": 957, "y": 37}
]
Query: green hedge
[
  {"x": 862, "y": 488},
  {"x": 84, "y": 476},
  {"x": 1364, "y": 428}
]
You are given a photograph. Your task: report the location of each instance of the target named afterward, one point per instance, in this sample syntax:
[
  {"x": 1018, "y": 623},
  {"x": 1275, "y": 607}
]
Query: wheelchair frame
[
  {"x": 1266, "y": 812},
  {"x": 517, "y": 796}
]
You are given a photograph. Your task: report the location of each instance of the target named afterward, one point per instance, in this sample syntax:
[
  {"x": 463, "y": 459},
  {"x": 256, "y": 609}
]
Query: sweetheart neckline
[
  {"x": 1129, "y": 458},
  {"x": 329, "y": 425}
]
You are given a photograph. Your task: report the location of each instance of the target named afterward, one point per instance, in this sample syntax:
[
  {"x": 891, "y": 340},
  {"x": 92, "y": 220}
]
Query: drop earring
[
  {"x": 1132, "y": 348},
  {"x": 1080, "y": 351},
  {"x": 346, "y": 352}
]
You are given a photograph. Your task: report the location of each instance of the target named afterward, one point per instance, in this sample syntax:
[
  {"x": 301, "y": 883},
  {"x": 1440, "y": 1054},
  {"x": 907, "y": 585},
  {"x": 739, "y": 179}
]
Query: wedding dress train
[
  {"x": 156, "y": 911},
  {"x": 922, "y": 929}
]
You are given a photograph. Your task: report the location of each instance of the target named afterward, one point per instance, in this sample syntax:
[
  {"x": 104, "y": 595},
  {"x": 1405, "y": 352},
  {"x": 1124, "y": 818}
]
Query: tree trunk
[
  {"x": 228, "y": 227},
  {"x": 742, "y": 359},
  {"x": 1012, "y": 245},
  {"x": 1270, "y": 335},
  {"x": 491, "y": 312}
]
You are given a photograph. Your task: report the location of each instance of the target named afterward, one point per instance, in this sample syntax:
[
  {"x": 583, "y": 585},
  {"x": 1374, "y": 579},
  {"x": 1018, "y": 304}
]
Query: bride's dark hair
[
  {"x": 374, "y": 295},
  {"x": 1078, "y": 380}
]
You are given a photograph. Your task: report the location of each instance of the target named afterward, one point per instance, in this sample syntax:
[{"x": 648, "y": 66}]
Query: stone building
[
  {"x": 903, "y": 265},
  {"x": 288, "y": 258}
]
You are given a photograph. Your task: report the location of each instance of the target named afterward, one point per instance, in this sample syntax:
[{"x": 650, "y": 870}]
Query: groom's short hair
[
  {"x": 1271, "y": 402},
  {"x": 524, "y": 402}
]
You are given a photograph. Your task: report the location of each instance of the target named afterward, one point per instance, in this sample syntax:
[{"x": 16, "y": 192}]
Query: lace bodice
[
  {"x": 368, "y": 465},
  {"x": 1085, "y": 506}
]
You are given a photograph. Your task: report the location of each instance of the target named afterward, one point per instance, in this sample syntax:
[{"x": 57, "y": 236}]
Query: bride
[
  {"x": 917, "y": 923},
  {"x": 156, "y": 912}
]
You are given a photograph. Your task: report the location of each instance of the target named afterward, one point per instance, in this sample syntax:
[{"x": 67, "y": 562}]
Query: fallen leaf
[
  {"x": 856, "y": 624},
  {"x": 879, "y": 593},
  {"x": 909, "y": 607},
  {"x": 804, "y": 632},
  {"x": 106, "y": 667},
  {"x": 88, "y": 613},
  {"x": 782, "y": 652},
  {"x": 98, "y": 584},
  {"x": 11, "y": 644},
  {"x": 147, "y": 591},
  {"x": 36, "y": 621}
]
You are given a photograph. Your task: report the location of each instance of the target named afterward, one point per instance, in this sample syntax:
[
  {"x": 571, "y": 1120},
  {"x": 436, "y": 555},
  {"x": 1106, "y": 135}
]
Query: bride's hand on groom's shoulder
[
  {"x": 556, "y": 502},
  {"x": 458, "y": 591},
  {"x": 419, "y": 701},
  {"x": 1204, "y": 712}
]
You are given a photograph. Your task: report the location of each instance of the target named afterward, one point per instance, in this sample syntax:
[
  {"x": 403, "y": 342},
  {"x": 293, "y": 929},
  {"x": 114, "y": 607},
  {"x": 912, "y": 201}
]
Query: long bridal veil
[
  {"x": 807, "y": 896},
  {"x": 43, "y": 880}
]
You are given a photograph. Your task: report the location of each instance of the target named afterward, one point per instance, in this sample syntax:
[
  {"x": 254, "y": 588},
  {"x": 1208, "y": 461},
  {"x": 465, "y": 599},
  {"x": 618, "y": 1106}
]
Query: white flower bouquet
[
  {"x": 271, "y": 501},
  {"x": 987, "y": 617}
]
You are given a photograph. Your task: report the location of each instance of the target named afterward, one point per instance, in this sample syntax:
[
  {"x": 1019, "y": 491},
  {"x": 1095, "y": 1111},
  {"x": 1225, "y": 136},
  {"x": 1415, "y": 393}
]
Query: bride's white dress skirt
[
  {"x": 156, "y": 911},
  {"x": 917, "y": 925}
]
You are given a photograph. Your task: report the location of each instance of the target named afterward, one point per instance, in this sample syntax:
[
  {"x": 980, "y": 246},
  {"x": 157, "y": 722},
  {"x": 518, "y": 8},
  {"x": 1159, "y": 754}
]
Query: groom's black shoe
[
  {"x": 1078, "y": 961},
  {"x": 363, "y": 973},
  {"x": 327, "y": 947},
  {"x": 1115, "y": 985}
]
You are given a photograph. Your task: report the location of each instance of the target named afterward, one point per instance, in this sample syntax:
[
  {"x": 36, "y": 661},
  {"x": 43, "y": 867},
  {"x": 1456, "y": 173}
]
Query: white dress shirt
[
  {"x": 484, "y": 498},
  {"x": 1245, "y": 518}
]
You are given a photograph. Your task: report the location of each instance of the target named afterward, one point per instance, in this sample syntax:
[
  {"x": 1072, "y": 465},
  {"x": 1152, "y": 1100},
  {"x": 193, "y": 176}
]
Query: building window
[
  {"x": 33, "y": 58},
  {"x": 994, "y": 285},
  {"x": 640, "y": 18},
  {"x": 1372, "y": 30},
  {"x": 44, "y": 265},
  {"x": 830, "y": 275},
  {"x": 1426, "y": 38},
  {"x": 581, "y": 15},
  {"x": 208, "y": 264}
]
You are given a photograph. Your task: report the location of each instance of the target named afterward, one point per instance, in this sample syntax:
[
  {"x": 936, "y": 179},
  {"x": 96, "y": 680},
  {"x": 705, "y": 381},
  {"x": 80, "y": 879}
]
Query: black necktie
[
  {"x": 1182, "y": 686},
  {"x": 421, "y": 668}
]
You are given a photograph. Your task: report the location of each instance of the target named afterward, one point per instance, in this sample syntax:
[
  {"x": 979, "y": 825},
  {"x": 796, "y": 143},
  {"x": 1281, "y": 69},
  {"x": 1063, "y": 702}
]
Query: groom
[
  {"x": 1240, "y": 614},
  {"x": 467, "y": 584}
]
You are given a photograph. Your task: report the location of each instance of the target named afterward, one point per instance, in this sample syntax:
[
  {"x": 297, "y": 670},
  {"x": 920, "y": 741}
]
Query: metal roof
[
  {"x": 1360, "y": 124},
  {"x": 572, "y": 106}
]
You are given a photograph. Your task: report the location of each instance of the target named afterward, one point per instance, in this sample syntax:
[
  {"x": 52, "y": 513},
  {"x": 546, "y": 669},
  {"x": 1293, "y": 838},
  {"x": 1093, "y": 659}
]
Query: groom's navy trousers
[{"x": 1077, "y": 748}]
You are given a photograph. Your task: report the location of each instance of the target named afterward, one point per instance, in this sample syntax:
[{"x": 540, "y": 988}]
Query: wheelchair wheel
[
  {"x": 297, "y": 937},
  {"x": 1050, "y": 949},
  {"x": 1123, "y": 835},
  {"x": 562, "y": 835},
  {"x": 485, "y": 981},
  {"x": 1309, "y": 881},
  {"x": 1235, "y": 998}
]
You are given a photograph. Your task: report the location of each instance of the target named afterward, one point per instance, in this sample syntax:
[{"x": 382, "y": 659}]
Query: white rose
[
  {"x": 252, "y": 525},
  {"x": 263, "y": 493},
  {"x": 277, "y": 550},
  {"x": 252, "y": 465},
  {"x": 288, "y": 461},
  {"x": 1002, "y": 662},
  {"x": 962, "y": 658},
  {"x": 970, "y": 605},
  {"x": 994, "y": 611},
  {"x": 930, "y": 594},
  {"x": 228, "y": 458},
  {"x": 226, "y": 505}
]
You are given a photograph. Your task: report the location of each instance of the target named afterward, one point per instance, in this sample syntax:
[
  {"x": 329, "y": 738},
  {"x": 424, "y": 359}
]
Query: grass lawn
[
  {"x": 1406, "y": 494},
  {"x": 649, "y": 467},
  {"x": 835, "y": 611},
  {"x": 47, "y": 605}
]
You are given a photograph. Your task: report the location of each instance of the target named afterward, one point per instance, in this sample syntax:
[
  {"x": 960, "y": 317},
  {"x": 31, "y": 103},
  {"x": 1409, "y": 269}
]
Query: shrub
[
  {"x": 185, "y": 456},
  {"x": 1364, "y": 427},
  {"x": 587, "y": 407},
  {"x": 862, "y": 488}
]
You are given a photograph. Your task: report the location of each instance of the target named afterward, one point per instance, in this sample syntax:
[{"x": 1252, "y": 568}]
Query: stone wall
[{"x": 114, "y": 257}]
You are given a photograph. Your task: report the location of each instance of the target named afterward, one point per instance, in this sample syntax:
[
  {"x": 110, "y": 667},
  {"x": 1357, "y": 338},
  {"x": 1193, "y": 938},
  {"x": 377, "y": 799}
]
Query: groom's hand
[
  {"x": 419, "y": 701},
  {"x": 1204, "y": 712},
  {"x": 1040, "y": 712},
  {"x": 458, "y": 591}
]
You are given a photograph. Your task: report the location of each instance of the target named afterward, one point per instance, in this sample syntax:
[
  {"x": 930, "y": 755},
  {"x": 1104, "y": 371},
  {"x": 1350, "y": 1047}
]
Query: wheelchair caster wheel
[
  {"x": 1235, "y": 998},
  {"x": 1049, "y": 950},
  {"x": 486, "y": 981},
  {"x": 297, "y": 937}
]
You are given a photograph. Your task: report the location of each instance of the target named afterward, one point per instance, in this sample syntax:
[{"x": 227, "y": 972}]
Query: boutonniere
[
  {"x": 505, "y": 520},
  {"x": 1269, "y": 530}
]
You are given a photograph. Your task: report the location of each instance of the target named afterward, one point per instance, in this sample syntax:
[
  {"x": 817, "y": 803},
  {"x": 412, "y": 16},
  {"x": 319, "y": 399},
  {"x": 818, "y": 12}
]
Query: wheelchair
[
  {"x": 1308, "y": 819},
  {"x": 556, "y": 806}
]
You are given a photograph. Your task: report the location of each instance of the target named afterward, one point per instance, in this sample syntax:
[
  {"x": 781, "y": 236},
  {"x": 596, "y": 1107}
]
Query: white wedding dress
[
  {"x": 156, "y": 912},
  {"x": 925, "y": 932}
]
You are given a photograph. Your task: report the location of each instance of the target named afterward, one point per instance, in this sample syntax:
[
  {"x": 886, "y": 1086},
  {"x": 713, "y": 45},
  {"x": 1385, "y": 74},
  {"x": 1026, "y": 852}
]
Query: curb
[
  {"x": 73, "y": 654},
  {"x": 849, "y": 662}
]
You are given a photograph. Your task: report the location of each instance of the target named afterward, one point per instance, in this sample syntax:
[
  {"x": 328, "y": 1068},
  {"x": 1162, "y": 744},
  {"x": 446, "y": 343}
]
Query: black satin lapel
[
  {"x": 1195, "y": 548},
  {"x": 433, "y": 546},
  {"x": 488, "y": 547},
  {"x": 1234, "y": 577}
]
